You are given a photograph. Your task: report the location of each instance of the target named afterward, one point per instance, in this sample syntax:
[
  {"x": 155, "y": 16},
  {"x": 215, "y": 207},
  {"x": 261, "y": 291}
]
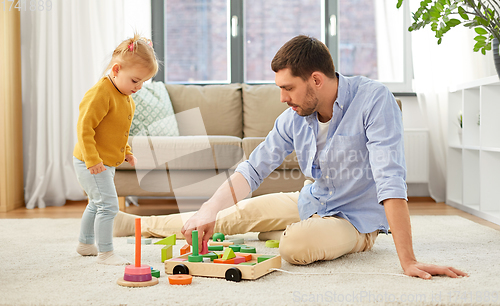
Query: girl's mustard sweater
[{"x": 103, "y": 125}]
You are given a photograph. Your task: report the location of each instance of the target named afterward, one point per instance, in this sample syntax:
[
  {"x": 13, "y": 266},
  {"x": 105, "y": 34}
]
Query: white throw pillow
[{"x": 154, "y": 114}]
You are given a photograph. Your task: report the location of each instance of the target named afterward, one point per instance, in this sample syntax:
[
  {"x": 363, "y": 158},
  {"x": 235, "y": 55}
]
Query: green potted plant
[{"x": 480, "y": 15}]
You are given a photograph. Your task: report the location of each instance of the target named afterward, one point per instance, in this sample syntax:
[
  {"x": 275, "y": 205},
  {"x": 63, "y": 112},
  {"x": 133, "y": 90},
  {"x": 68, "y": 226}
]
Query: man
[{"x": 348, "y": 136}]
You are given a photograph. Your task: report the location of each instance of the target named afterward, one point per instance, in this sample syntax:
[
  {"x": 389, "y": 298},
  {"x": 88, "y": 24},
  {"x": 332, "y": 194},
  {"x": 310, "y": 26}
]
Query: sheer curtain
[
  {"x": 436, "y": 67},
  {"x": 390, "y": 41},
  {"x": 64, "y": 52}
]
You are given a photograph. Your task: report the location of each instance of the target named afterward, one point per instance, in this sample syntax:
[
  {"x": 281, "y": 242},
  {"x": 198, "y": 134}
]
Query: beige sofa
[{"x": 219, "y": 126}]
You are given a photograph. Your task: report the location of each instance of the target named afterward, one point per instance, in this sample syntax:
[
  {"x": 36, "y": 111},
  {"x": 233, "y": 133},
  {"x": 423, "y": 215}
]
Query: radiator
[{"x": 417, "y": 155}]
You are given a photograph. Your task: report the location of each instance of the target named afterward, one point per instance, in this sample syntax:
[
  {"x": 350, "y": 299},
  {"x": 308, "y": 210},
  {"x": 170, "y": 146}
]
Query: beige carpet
[{"x": 39, "y": 266}]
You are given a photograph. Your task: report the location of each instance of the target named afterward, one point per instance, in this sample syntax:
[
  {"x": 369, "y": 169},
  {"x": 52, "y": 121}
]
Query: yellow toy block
[
  {"x": 228, "y": 254},
  {"x": 170, "y": 240},
  {"x": 166, "y": 253}
]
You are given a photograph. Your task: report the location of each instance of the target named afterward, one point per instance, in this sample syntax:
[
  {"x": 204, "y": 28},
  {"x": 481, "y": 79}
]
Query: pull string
[{"x": 312, "y": 273}]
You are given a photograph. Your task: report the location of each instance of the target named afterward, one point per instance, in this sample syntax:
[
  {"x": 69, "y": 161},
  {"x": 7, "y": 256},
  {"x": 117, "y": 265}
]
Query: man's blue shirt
[{"x": 361, "y": 165}]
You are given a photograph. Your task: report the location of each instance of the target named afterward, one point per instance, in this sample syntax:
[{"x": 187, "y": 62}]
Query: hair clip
[
  {"x": 150, "y": 43},
  {"x": 131, "y": 47}
]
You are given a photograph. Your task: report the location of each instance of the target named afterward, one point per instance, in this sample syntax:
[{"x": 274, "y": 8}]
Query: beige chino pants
[{"x": 302, "y": 242}]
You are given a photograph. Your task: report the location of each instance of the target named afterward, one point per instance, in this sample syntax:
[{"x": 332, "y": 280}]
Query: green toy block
[
  {"x": 247, "y": 264},
  {"x": 228, "y": 254},
  {"x": 264, "y": 257},
  {"x": 170, "y": 240},
  {"x": 166, "y": 253},
  {"x": 247, "y": 249},
  {"x": 195, "y": 258},
  {"x": 211, "y": 255},
  {"x": 216, "y": 248},
  {"x": 218, "y": 237},
  {"x": 155, "y": 273},
  {"x": 273, "y": 243},
  {"x": 235, "y": 247}
]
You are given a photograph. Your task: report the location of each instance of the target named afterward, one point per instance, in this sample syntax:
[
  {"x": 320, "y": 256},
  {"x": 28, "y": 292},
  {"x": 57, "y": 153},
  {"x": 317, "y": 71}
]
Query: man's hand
[
  {"x": 129, "y": 158},
  {"x": 426, "y": 271},
  {"x": 228, "y": 194},
  {"x": 97, "y": 168},
  {"x": 398, "y": 217},
  {"x": 203, "y": 221}
]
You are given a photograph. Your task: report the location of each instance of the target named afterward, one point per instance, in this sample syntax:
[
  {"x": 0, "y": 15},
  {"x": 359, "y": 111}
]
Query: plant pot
[
  {"x": 460, "y": 136},
  {"x": 496, "y": 56}
]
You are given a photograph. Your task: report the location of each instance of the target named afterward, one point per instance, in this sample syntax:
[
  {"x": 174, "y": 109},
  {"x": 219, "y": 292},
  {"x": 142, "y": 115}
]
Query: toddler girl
[{"x": 106, "y": 113}]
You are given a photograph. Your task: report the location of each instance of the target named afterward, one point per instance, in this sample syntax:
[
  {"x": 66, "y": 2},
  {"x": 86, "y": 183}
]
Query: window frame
[{"x": 236, "y": 69}]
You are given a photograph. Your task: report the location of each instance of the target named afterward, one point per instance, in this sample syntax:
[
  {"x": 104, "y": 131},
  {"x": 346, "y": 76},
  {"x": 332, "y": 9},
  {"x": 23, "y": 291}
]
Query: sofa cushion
[
  {"x": 185, "y": 152},
  {"x": 154, "y": 114},
  {"x": 250, "y": 143},
  {"x": 183, "y": 184},
  {"x": 261, "y": 106},
  {"x": 220, "y": 107}
]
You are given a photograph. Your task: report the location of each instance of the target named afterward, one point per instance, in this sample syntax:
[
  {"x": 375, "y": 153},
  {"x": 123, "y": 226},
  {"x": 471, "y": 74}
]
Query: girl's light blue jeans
[{"x": 97, "y": 219}]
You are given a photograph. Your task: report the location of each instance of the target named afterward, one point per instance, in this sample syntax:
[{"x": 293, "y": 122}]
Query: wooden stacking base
[{"x": 125, "y": 283}]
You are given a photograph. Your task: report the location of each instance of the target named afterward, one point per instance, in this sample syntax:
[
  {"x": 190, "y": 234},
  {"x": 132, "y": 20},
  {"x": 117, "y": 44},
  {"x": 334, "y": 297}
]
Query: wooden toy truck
[{"x": 232, "y": 272}]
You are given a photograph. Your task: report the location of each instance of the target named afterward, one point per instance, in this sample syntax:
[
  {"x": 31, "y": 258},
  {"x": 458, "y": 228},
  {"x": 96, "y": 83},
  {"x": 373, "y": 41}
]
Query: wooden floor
[{"x": 74, "y": 209}]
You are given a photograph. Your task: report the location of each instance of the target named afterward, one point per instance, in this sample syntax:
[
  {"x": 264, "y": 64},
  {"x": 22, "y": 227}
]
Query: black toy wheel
[
  {"x": 233, "y": 274},
  {"x": 180, "y": 269}
]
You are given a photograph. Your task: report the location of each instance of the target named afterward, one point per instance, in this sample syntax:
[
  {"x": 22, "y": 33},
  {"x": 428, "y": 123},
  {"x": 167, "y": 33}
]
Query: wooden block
[
  {"x": 155, "y": 273},
  {"x": 218, "y": 237},
  {"x": 133, "y": 270},
  {"x": 237, "y": 240},
  {"x": 138, "y": 278},
  {"x": 224, "y": 261},
  {"x": 166, "y": 253},
  {"x": 247, "y": 264},
  {"x": 180, "y": 279},
  {"x": 223, "y": 243},
  {"x": 211, "y": 255},
  {"x": 235, "y": 247},
  {"x": 247, "y": 249},
  {"x": 125, "y": 283},
  {"x": 239, "y": 259},
  {"x": 204, "y": 248},
  {"x": 195, "y": 258},
  {"x": 185, "y": 249},
  {"x": 228, "y": 254},
  {"x": 273, "y": 243},
  {"x": 170, "y": 240},
  {"x": 215, "y": 248},
  {"x": 248, "y": 257},
  {"x": 131, "y": 240},
  {"x": 264, "y": 257}
]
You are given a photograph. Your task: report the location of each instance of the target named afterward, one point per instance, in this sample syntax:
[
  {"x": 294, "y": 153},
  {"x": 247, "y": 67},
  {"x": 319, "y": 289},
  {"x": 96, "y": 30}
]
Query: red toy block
[
  {"x": 204, "y": 248},
  {"x": 247, "y": 256},
  {"x": 239, "y": 259}
]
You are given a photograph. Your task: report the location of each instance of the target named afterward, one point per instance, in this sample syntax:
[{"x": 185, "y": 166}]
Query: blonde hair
[{"x": 137, "y": 50}]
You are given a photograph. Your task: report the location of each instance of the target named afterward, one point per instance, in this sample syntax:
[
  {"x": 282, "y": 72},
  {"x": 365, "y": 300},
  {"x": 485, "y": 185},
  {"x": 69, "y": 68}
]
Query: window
[
  {"x": 270, "y": 24},
  {"x": 371, "y": 42},
  {"x": 228, "y": 41},
  {"x": 196, "y": 45}
]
